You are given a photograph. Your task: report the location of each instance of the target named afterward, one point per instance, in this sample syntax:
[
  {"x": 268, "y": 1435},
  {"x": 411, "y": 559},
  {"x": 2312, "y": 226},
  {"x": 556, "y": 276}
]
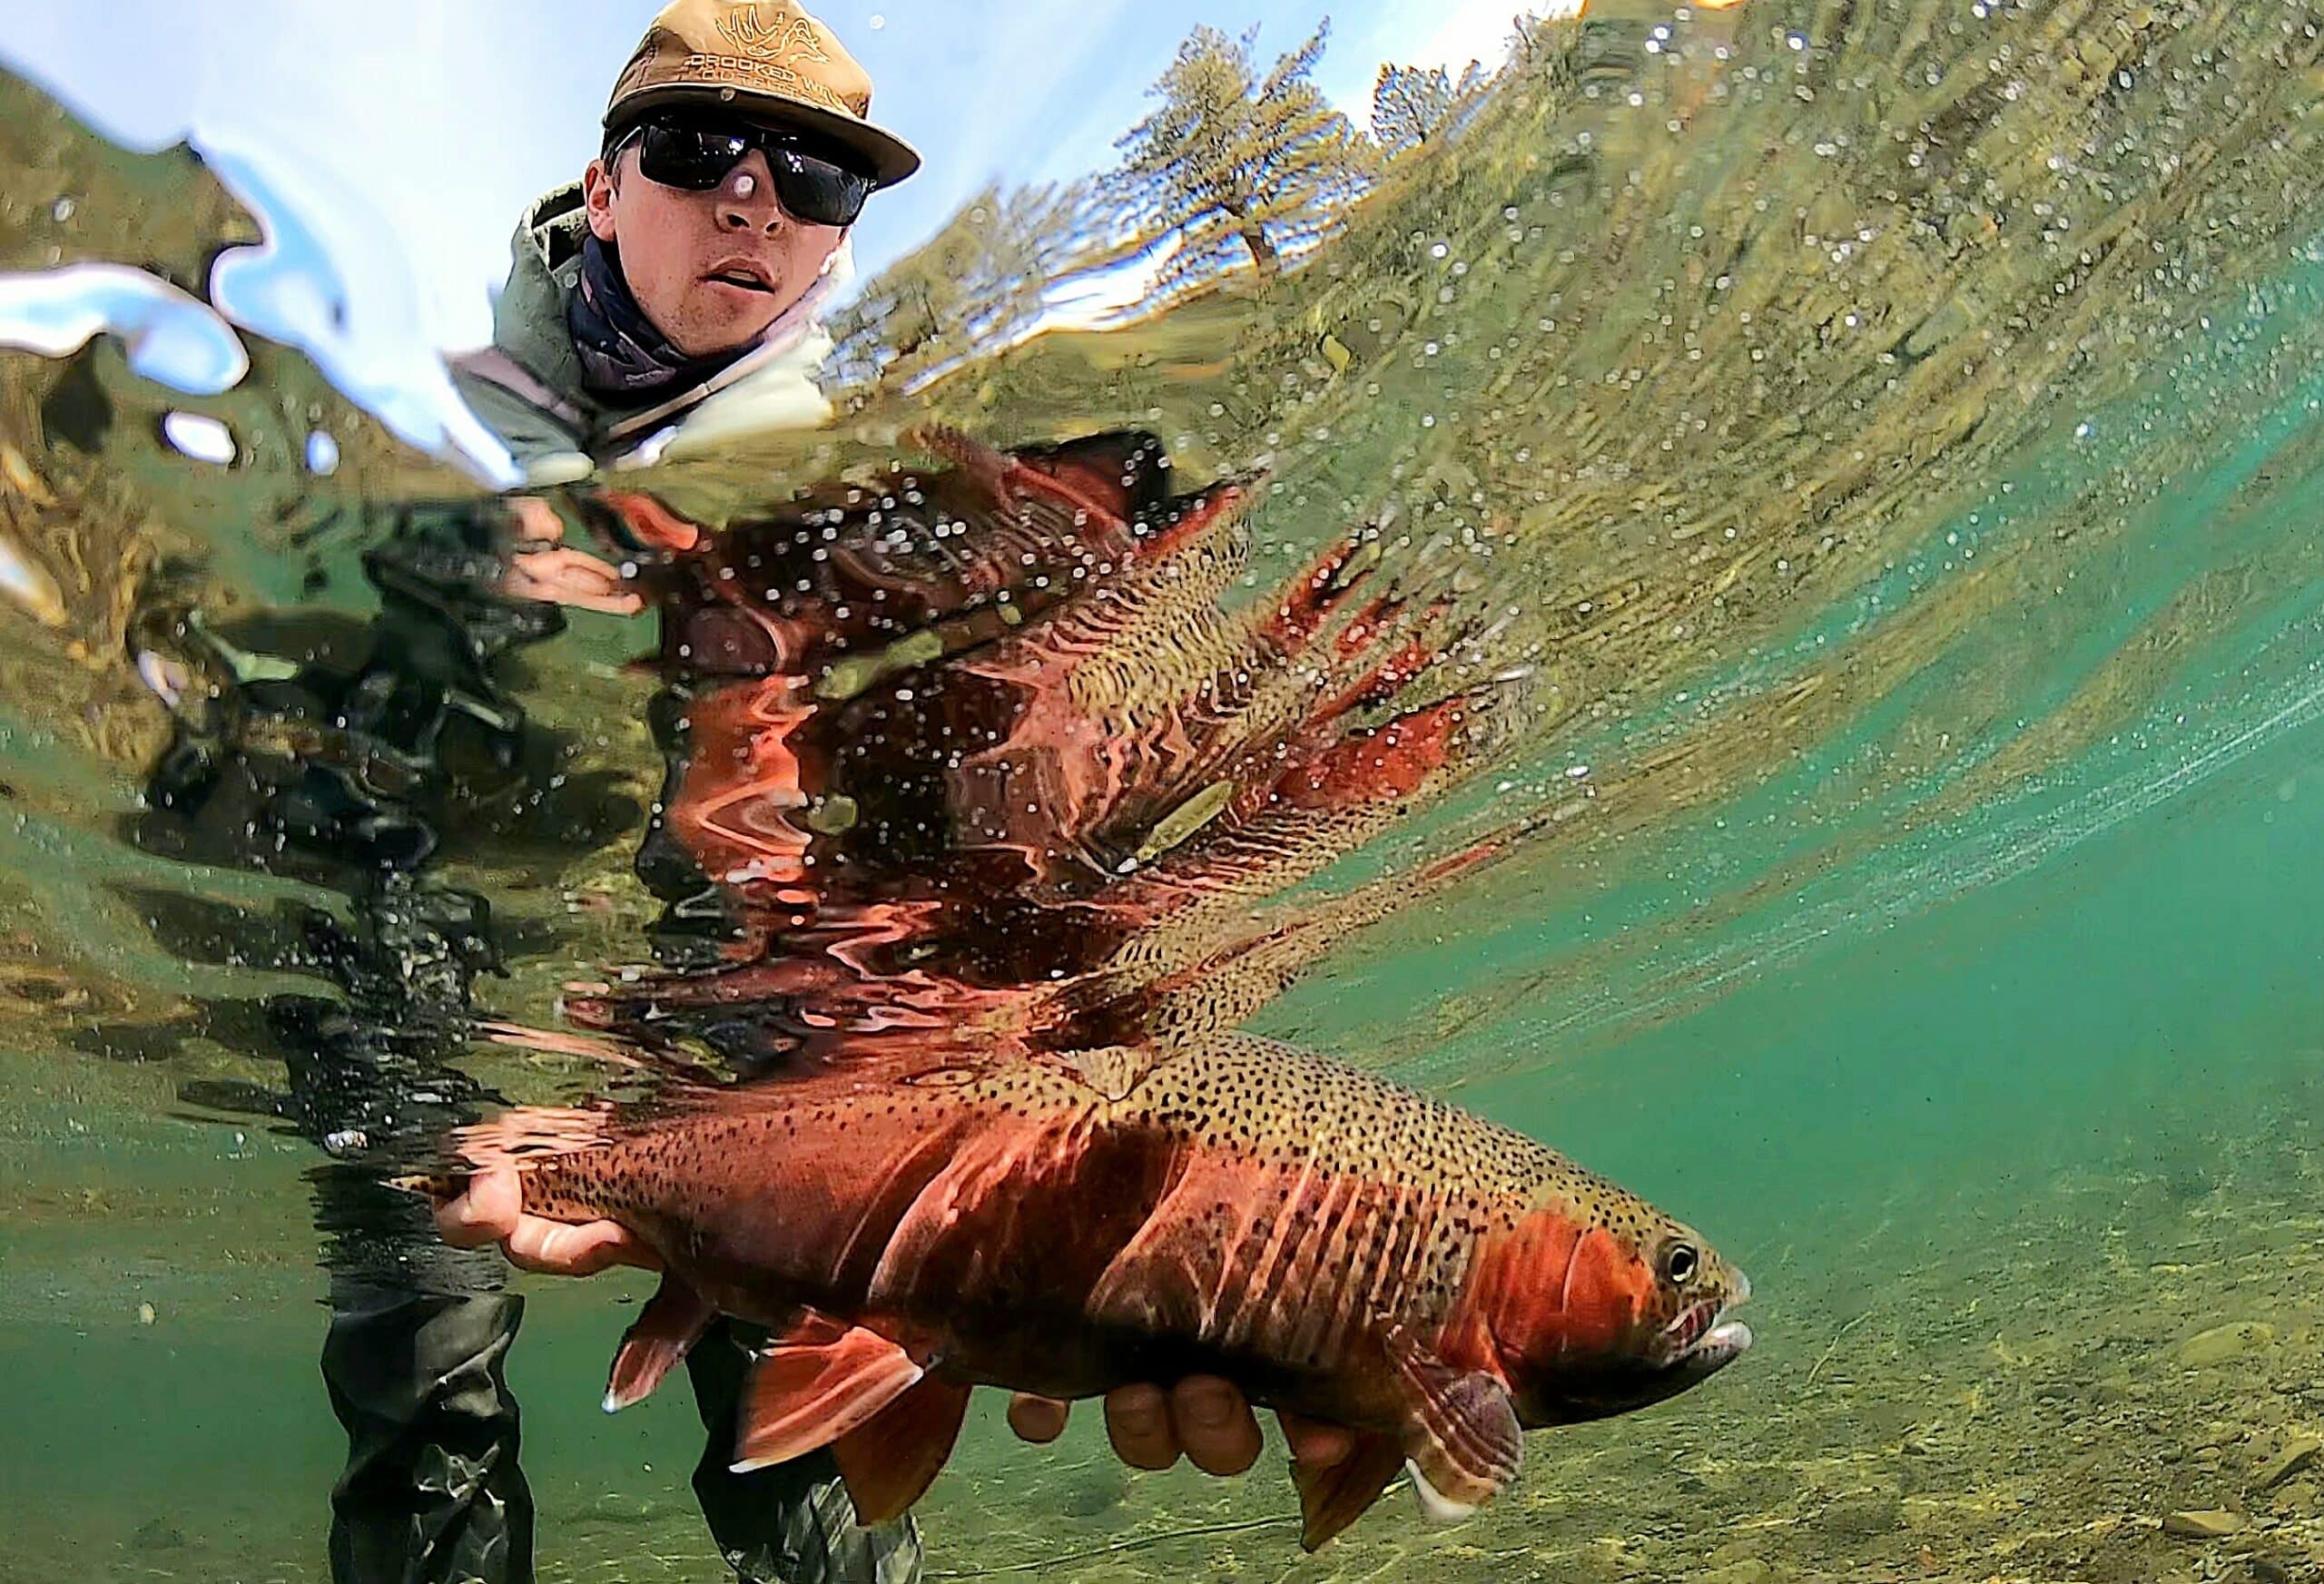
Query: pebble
[
  {"x": 1094, "y": 1492},
  {"x": 614, "y": 1507},
  {"x": 2300, "y": 1495},
  {"x": 1863, "y": 1515},
  {"x": 2297, "y": 1455},
  {"x": 158, "y": 1535},
  {"x": 2224, "y": 1343},
  {"x": 2209, "y": 1524}
]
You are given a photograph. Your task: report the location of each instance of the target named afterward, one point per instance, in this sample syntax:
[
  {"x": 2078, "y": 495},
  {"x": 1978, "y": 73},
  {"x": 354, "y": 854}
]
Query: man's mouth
[{"x": 741, "y": 272}]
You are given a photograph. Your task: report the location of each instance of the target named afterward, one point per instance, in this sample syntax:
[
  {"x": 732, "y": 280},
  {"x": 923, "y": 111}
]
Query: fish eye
[{"x": 1681, "y": 1263}]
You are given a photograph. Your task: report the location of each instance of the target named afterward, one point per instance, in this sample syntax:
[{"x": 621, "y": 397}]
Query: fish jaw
[{"x": 1586, "y": 1323}]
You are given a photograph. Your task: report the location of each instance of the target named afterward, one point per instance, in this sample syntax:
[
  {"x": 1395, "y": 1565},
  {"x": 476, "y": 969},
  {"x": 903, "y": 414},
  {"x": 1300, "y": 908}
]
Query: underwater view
[{"x": 1599, "y": 769}]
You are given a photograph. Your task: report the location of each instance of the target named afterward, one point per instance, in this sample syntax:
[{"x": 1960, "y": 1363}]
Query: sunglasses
[{"x": 695, "y": 156}]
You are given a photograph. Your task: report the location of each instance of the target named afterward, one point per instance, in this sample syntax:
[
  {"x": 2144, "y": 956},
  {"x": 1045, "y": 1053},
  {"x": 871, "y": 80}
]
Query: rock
[
  {"x": 2224, "y": 1343},
  {"x": 1750, "y": 1570},
  {"x": 2298, "y": 1496},
  {"x": 2297, "y": 1455},
  {"x": 158, "y": 1535},
  {"x": 1830, "y": 217},
  {"x": 1946, "y": 324},
  {"x": 1865, "y": 1514},
  {"x": 1095, "y": 1490},
  {"x": 2207, "y": 1524},
  {"x": 615, "y": 1508}
]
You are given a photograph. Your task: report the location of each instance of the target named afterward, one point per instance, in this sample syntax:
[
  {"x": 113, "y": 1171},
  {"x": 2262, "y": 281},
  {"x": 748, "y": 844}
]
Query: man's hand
[
  {"x": 541, "y": 569},
  {"x": 1202, "y": 1416},
  {"x": 492, "y": 1210}
]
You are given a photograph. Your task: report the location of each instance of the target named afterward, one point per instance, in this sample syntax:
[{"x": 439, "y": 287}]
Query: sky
[{"x": 408, "y": 138}]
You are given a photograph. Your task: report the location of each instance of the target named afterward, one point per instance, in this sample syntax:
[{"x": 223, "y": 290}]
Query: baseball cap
[{"x": 769, "y": 60}]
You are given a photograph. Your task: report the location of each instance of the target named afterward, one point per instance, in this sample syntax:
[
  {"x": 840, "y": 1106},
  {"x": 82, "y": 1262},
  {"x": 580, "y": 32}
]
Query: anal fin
[
  {"x": 1332, "y": 1497},
  {"x": 816, "y": 1384},
  {"x": 1462, "y": 1437},
  {"x": 672, "y": 1322},
  {"x": 890, "y": 1461}
]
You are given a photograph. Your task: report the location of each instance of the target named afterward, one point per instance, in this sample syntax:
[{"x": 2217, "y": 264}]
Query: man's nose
[{"x": 746, "y": 199}]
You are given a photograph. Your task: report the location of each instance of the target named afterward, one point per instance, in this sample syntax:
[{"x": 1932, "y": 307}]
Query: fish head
[{"x": 1598, "y": 1305}]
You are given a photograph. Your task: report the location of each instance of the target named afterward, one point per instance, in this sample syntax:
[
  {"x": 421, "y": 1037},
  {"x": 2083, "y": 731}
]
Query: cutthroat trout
[
  {"x": 995, "y": 804},
  {"x": 919, "y": 1221}
]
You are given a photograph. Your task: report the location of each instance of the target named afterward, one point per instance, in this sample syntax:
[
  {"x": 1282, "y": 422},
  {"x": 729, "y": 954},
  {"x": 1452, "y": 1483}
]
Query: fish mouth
[
  {"x": 1718, "y": 1347},
  {"x": 1702, "y": 1338}
]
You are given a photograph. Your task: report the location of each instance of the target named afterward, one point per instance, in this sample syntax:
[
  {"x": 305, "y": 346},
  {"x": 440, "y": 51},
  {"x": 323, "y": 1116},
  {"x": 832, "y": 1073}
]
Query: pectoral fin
[
  {"x": 1462, "y": 1439},
  {"x": 890, "y": 1461},
  {"x": 819, "y": 1381},
  {"x": 669, "y": 1325},
  {"x": 1333, "y": 1497}
]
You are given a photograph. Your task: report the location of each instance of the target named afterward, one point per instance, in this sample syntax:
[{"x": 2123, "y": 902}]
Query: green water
[{"x": 1918, "y": 828}]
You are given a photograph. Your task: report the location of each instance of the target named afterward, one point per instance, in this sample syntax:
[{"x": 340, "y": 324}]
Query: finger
[
  {"x": 1215, "y": 1425},
  {"x": 1315, "y": 1443},
  {"x": 485, "y": 1212},
  {"x": 555, "y": 1249},
  {"x": 536, "y": 521},
  {"x": 1039, "y": 1420},
  {"x": 571, "y": 577},
  {"x": 1137, "y": 1422}
]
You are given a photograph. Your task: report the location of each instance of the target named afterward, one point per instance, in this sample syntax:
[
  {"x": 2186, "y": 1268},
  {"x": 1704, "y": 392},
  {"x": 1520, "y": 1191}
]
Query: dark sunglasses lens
[
  {"x": 817, "y": 190},
  {"x": 698, "y": 159},
  {"x": 688, "y": 157}
]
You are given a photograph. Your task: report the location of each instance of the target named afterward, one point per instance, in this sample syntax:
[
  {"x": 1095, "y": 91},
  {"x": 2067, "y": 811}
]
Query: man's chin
[{"x": 739, "y": 320}]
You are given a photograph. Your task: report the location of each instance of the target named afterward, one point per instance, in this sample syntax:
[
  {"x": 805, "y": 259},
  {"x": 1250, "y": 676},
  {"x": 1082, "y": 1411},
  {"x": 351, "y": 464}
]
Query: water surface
[{"x": 1876, "y": 448}]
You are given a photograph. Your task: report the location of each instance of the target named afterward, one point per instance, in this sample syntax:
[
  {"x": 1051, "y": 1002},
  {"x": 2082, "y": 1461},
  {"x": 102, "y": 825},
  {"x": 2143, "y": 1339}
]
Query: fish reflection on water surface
[{"x": 991, "y": 806}]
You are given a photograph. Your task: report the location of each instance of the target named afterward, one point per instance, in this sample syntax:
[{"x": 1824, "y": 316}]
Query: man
[
  {"x": 677, "y": 285},
  {"x": 670, "y": 297}
]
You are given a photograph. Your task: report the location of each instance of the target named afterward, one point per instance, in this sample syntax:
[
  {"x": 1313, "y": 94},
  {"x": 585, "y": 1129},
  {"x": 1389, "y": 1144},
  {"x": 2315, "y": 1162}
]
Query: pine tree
[
  {"x": 1411, "y": 104},
  {"x": 1234, "y": 164},
  {"x": 970, "y": 288}
]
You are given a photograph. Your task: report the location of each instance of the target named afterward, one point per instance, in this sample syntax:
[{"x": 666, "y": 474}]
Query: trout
[
  {"x": 992, "y": 797},
  {"x": 917, "y": 1221}
]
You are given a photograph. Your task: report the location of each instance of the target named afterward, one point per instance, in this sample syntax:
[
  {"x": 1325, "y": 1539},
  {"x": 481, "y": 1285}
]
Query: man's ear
[{"x": 597, "y": 198}]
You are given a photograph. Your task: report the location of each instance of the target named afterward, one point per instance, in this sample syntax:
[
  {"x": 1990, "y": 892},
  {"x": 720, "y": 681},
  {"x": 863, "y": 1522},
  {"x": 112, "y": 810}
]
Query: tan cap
[{"x": 767, "y": 59}]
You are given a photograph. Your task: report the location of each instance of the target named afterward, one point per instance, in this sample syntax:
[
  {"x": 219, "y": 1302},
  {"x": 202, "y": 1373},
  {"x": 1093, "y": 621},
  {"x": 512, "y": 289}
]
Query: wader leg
[
  {"x": 791, "y": 1524},
  {"x": 431, "y": 1493}
]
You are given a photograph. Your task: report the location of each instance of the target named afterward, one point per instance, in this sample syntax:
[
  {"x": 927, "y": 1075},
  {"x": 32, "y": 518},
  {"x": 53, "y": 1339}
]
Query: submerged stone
[
  {"x": 2224, "y": 1343},
  {"x": 2297, "y": 1455},
  {"x": 2208, "y": 1524}
]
